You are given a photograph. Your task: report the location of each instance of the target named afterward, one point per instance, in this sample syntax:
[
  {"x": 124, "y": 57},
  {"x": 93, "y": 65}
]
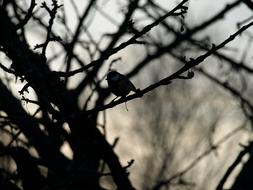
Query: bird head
[{"x": 113, "y": 75}]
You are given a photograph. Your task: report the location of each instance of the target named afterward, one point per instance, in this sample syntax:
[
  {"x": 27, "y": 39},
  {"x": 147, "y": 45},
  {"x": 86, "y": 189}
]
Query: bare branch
[
  {"x": 7, "y": 70},
  {"x": 27, "y": 16},
  {"x": 198, "y": 159},
  {"x": 52, "y": 14},
  {"x": 167, "y": 80},
  {"x": 231, "y": 168},
  {"x": 123, "y": 45}
]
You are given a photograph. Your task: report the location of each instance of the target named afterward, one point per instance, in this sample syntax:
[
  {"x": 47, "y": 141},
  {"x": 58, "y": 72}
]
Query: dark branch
[
  {"x": 231, "y": 168},
  {"x": 27, "y": 16},
  {"x": 167, "y": 80},
  {"x": 123, "y": 45}
]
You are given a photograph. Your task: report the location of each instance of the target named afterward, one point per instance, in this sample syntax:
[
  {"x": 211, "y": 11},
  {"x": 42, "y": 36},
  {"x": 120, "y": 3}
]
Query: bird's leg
[
  {"x": 126, "y": 106},
  {"x": 122, "y": 97}
]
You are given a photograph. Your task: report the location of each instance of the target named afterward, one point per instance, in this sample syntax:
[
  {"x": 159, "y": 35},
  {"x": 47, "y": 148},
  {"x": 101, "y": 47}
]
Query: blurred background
[{"x": 183, "y": 135}]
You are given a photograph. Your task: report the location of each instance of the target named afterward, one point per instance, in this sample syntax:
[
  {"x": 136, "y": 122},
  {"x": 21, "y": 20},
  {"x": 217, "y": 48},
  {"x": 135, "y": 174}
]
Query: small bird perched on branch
[{"x": 119, "y": 84}]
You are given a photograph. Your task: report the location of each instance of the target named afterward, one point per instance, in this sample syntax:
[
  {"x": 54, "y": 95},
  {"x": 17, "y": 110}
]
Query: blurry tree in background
[{"x": 194, "y": 97}]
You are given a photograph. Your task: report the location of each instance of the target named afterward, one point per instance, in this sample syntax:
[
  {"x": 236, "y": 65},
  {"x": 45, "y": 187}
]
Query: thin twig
[
  {"x": 167, "y": 80},
  {"x": 7, "y": 70},
  {"x": 52, "y": 14},
  {"x": 123, "y": 45},
  {"x": 27, "y": 16},
  {"x": 199, "y": 158},
  {"x": 231, "y": 168}
]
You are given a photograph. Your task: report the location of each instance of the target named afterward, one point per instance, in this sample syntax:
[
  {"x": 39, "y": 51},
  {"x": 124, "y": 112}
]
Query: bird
[{"x": 119, "y": 84}]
